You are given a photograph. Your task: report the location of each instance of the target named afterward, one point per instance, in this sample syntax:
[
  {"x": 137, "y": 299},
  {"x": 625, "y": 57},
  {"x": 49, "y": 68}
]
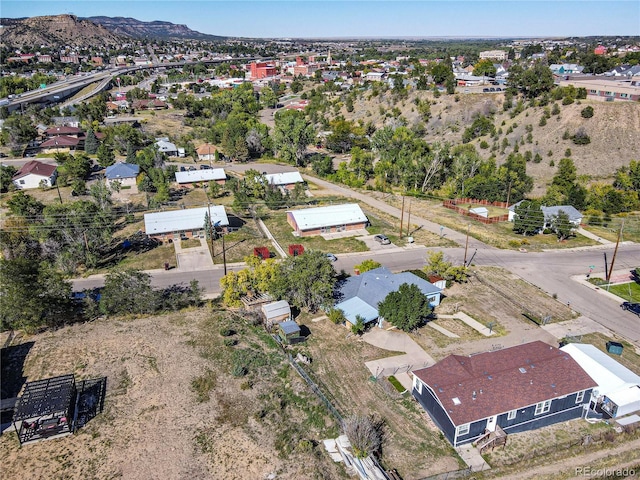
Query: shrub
[
  {"x": 543, "y": 121},
  {"x": 226, "y": 332},
  {"x": 581, "y": 137},
  {"x": 484, "y": 144},
  {"x": 587, "y": 112},
  {"x": 336, "y": 316},
  {"x": 567, "y": 153}
]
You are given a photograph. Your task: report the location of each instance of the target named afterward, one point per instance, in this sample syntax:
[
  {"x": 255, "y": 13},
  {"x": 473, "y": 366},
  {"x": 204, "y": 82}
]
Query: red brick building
[{"x": 262, "y": 70}]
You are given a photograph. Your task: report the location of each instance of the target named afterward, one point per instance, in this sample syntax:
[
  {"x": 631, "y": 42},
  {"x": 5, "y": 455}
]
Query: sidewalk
[{"x": 592, "y": 236}]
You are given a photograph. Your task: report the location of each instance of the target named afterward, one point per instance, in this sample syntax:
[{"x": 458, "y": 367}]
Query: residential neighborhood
[{"x": 227, "y": 254}]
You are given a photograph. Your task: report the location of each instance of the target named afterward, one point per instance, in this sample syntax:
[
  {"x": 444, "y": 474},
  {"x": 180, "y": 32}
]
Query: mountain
[
  {"x": 55, "y": 30},
  {"x": 157, "y": 29}
]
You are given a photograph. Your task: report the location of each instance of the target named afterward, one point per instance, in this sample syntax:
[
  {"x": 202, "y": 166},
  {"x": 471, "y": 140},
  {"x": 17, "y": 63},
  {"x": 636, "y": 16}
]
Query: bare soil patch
[
  {"x": 154, "y": 426},
  {"x": 410, "y": 446}
]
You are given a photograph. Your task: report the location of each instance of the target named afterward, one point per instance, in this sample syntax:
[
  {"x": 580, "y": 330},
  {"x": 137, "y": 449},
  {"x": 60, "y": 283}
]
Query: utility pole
[
  {"x": 210, "y": 228},
  {"x": 409, "y": 219},
  {"x": 466, "y": 247},
  {"x": 615, "y": 251},
  {"x": 59, "y": 196},
  {"x": 402, "y": 217}
]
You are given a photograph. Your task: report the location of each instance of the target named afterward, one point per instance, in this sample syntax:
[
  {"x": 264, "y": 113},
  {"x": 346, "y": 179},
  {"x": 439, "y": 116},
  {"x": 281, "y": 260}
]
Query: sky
[{"x": 361, "y": 18}]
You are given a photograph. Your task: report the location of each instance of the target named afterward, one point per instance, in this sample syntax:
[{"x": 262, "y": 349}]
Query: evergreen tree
[{"x": 91, "y": 143}]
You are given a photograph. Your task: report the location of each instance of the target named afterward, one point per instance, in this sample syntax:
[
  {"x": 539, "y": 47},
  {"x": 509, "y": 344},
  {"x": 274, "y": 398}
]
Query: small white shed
[{"x": 276, "y": 312}]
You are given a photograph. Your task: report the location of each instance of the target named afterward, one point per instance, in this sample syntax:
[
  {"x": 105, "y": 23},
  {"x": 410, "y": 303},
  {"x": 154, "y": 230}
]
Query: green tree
[
  {"x": 128, "y": 292},
  {"x": 306, "y": 281},
  {"x": 32, "y": 295},
  {"x": 484, "y": 68},
  {"x": 533, "y": 81},
  {"x": 561, "y": 224},
  {"x": 91, "y": 143},
  {"x": 73, "y": 168},
  {"x": 566, "y": 175},
  {"x": 6, "y": 174},
  {"x": 268, "y": 97},
  {"x": 407, "y": 308},
  {"x": 291, "y": 135},
  {"x": 105, "y": 155},
  {"x": 25, "y": 205},
  {"x": 367, "y": 265},
  {"x": 528, "y": 218}
]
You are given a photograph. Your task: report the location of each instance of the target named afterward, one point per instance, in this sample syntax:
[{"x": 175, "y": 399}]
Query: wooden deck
[{"x": 491, "y": 439}]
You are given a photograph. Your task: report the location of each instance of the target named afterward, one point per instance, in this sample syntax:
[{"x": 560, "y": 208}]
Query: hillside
[
  {"x": 56, "y": 30},
  {"x": 157, "y": 29},
  {"x": 614, "y": 129}
]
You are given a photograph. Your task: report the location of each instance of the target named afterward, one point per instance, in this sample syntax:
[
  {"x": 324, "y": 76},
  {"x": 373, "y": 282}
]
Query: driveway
[
  {"x": 193, "y": 258},
  {"x": 394, "y": 340}
]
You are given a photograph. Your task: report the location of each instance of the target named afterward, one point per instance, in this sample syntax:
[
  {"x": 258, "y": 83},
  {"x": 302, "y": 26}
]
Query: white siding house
[{"x": 34, "y": 174}]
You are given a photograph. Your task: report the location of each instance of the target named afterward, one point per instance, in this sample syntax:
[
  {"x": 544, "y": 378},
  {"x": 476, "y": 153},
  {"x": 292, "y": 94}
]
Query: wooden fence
[{"x": 453, "y": 205}]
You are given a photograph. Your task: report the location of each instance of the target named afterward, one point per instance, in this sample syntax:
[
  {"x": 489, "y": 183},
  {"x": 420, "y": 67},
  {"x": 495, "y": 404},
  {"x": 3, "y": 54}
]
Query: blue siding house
[
  {"x": 360, "y": 295},
  {"x": 517, "y": 389}
]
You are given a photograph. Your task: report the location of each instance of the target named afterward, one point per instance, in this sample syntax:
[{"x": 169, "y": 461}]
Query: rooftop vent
[
  {"x": 456, "y": 401},
  {"x": 522, "y": 370}
]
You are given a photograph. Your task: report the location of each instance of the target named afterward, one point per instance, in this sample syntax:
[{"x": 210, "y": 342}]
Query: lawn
[
  {"x": 610, "y": 229},
  {"x": 190, "y": 243},
  {"x": 240, "y": 244},
  {"x": 627, "y": 291},
  {"x": 277, "y": 224},
  {"x": 498, "y": 235}
]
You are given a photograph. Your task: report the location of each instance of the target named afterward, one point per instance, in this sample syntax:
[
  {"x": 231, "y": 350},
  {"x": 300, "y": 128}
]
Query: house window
[
  {"x": 609, "y": 94},
  {"x": 543, "y": 407},
  {"x": 419, "y": 387},
  {"x": 21, "y": 182},
  {"x": 580, "y": 397},
  {"x": 462, "y": 430},
  {"x": 512, "y": 414},
  {"x": 593, "y": 92},
  {"x": 624, "y": 95}
]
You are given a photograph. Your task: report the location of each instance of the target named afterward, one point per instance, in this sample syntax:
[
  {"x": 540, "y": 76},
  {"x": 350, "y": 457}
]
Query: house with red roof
[
  {"x": 33, "y": 174},
  {"x": 512, "y": 390}
]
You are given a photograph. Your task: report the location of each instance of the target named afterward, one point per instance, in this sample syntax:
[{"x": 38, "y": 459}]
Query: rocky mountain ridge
[
  {"x": 55, "y": 30},
  {"x": 156, "y": 29}
]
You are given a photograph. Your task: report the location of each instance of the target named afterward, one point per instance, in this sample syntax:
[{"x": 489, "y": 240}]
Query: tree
[
  {"x": 306, "y": 281},
  {"x": 32, "y": 294},
  {"x": 364, "y": 433},
  {"x": 367, "y": 265},
  {"x": 105, "y": 155},
  {"x": 528, "y": 219},
  {"x": 128, "y": 292},
  {"x": 407, "y": 308},
  {"x": 73, "y": 168},
  {"x": 268, "y": 97},
  {"x": 291, "y": 135},
  {"x": 566, "y": 175},
  {"x": 25, "y": 205},
  {"x": 438, "y": 265},
  {"x": 91, "y": 143},
  {"x": 6, "y": 174},
  {"x": 533, "y": 81},
  {"x": 484, "y": 68},
  {"x": 561, "y": 224}
]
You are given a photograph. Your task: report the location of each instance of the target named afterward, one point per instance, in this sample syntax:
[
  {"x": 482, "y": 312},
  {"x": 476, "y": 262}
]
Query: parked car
[
  {"x": 205, "y": 167},
  {"x": 191, "y": 169},
  {"x": 382, "y": 239},
  {"x": 631, "y": 307},
  {"x": 485, "y": 90},
  {"x": 332, "y": 257}
]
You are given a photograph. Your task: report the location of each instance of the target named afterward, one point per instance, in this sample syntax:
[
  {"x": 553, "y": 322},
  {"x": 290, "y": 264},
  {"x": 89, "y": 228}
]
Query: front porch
[{"x": 491, "y": 439}]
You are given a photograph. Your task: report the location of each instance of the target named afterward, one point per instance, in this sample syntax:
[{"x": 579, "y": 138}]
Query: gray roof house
[
  {"x": 360, "y": 295},
  {"x": 189, "y": 221},
  {"x": 165, "y": 146},
  {"x": 121, "y": 171},
  {"x": 575, "y": 216}
]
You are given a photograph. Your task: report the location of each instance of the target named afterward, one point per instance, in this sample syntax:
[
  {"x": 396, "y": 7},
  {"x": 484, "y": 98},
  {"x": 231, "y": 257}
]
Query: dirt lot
[
  {"x": 413, "y": 446},
  {"x": 263, "y": 421}
]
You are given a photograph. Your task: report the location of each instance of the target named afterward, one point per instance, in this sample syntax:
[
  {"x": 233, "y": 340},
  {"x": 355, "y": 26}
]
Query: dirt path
[{"x": 568, "y": 468}]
